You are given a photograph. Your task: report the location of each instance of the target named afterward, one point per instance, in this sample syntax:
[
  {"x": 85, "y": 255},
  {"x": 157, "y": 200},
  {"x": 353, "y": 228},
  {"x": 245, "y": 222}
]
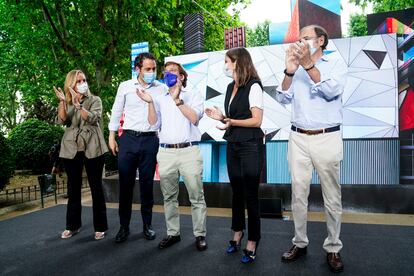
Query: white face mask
[
  {"x": 82, "y": 88},
  {"x": 228, "y": 72},
  {"x": 312, "y": 48}
]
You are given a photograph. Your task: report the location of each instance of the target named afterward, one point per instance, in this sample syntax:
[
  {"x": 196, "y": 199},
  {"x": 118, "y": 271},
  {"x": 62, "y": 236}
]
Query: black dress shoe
[
  {"x": 201, "y": 243},
  {"x": 335, "y": 262},
  {"x": 149, "y": 234},
  {"x": 294, "y": 253},
  {"x": 168, "y": 241},
  {"x": 122, "y": 234}
]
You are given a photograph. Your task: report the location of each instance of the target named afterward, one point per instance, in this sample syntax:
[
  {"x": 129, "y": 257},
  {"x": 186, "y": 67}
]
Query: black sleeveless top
[{"x": 240, "y": 109}]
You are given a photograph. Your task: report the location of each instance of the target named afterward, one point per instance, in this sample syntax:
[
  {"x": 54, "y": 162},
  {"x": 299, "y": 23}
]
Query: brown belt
[
  {"x": 315, "y": 131},
  {"x": 179, "y": 145}
]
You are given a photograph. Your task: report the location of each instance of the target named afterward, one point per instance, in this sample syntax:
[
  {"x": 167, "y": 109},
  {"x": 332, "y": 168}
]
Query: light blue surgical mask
[
  {"x": 312, "y": 48},
  {"x": 227, "y": 72},
  {"x": 149, "y": 77}
]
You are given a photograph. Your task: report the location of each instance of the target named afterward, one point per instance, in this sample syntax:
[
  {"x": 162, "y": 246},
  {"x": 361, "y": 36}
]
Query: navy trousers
[{"x": 140, "y": 152}]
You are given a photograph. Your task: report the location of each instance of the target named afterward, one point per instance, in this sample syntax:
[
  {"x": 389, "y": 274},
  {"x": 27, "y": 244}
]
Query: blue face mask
[
  {"x": 170, "y": 79},
  {"x": 149, "y": 77}
]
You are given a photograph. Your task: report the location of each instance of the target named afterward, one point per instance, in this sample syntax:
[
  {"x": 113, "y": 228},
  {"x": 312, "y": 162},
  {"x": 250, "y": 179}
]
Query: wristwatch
[{"x": 181, "y": 102}]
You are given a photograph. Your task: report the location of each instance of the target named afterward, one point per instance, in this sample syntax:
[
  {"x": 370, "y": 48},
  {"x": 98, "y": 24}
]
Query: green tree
[
  {"x": 31, "y": 141},
  {"x": 358, "y": 25},
  {"x": 358, "y": 22},
  {"x": 41, "y": 40},
  {"x": 259, "y": 35},
  {"x": 6, "y": 162},
  {"x": 385, "y": 5}
]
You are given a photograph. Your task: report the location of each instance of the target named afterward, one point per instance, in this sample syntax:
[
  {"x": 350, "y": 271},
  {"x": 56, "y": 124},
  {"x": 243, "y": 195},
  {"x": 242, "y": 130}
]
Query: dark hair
[
  {"x": 320, "y": 31},
  {"x": 180, "y": 70},
  {"x": 141, "y": 57},
  {"x": 245, "y": 70}
]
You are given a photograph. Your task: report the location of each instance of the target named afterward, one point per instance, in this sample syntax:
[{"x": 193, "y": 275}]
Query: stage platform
[
  {"x": 395, "y": 199},
  {"x": 31, "y": 245}
]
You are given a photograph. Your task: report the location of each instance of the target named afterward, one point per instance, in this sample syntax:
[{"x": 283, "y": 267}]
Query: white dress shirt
[
  {"x": 174, "y": 126},
  {"x": 135, "y": 109},
  {"x": 317, "y": 105}
]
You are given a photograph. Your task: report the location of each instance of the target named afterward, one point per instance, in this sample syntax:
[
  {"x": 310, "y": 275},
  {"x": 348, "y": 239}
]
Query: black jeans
[
  {"x": 244, "y": 166},
  {"x": 136, "y": 152},
  {"x": 74, "y": 168}
]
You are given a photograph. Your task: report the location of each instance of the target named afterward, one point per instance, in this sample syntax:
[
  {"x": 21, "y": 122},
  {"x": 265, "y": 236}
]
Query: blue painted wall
[{"x": 371, "y": 161}]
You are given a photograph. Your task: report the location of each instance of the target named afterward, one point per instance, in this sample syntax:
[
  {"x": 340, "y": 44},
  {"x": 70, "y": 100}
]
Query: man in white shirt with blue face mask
[
  {"x": 138, "y": 144},
  {"x": 178, "y": 111},
  {"x": 314, "y": 84}
]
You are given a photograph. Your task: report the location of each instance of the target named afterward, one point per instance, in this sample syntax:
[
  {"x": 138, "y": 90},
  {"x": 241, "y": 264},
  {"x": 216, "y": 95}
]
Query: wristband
[
  {"x": 307, "y": 69},
  {"x": 288, "y": 74}
]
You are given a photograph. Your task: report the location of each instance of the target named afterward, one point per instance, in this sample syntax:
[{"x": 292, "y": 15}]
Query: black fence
[{"x": 30, "y": 193}]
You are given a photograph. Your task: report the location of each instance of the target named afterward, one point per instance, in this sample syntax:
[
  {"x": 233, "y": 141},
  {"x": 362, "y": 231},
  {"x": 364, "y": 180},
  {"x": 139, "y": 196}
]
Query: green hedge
[
  {"x": 31, "y": 142},
  {"x": 6, "y": 161}
]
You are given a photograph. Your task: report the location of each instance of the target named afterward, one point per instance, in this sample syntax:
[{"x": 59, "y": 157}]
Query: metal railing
[{"x": 30, "y": 193}]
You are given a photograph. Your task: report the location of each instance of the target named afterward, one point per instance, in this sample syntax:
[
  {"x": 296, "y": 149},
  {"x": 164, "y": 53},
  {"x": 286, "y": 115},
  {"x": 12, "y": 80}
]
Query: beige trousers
[
  {"x": 188, "y": 163},
  {"x": 324, "y": 153}
]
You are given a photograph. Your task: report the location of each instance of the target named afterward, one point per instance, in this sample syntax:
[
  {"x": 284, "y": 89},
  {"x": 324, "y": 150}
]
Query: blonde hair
[{"x": 70, "y": 81}]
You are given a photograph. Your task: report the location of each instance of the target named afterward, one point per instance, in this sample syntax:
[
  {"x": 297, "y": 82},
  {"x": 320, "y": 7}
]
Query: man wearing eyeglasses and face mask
[
  {"x": 138, "y": 144},
  {"x": 314, "y": 84},
  {"x": 178, "y": 111}
]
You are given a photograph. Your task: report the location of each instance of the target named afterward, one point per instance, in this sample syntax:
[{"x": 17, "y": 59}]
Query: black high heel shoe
[
  {"x": 234, "y": 246},
  {"x": 249, "y": 256}
]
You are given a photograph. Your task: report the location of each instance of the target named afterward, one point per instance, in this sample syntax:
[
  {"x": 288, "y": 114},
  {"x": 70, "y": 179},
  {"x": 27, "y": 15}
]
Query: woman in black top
[{"x": 244, "y": 113}]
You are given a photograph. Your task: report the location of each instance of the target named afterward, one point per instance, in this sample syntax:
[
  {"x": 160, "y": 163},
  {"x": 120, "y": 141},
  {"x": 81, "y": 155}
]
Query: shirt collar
[
  {"x": 183, "y": 90},
  {"x": 324, "y": 58},
  {"x": 84, "y": 98},
  {"x": 155, "y": 83}
]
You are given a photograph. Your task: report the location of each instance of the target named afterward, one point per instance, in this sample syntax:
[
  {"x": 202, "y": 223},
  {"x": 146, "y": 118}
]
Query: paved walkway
[{"x": 347, "y": 217}]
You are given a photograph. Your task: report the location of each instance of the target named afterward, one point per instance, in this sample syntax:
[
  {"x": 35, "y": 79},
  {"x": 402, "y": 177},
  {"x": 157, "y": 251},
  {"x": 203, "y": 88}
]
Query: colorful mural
[{"x": 325, "y": 13}]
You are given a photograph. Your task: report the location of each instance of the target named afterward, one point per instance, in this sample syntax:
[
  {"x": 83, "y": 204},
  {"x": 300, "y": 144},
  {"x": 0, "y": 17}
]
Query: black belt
[
  {"x": 179, "y": 145},
  {"x": 315, "y": 131},
  {"x": 140, "y": 133}
]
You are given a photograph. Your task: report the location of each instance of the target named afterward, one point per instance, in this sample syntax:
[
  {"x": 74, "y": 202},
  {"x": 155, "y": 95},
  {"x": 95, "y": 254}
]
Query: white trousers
[
  {"x": 324, "y": 153},
  {"x": 188, "y": 163}
]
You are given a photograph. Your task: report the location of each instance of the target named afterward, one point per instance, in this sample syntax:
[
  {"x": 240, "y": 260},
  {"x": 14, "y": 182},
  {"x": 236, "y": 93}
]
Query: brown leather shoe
[
  {"x": 294, "y": 253},
  {"x": 335, "y": 262}
]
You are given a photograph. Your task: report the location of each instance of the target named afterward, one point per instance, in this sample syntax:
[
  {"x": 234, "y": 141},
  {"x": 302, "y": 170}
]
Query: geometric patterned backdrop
[{"x": 370, "y": 98}]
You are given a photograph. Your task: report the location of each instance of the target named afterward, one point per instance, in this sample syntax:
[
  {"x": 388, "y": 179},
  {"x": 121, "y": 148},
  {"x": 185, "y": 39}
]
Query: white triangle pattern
[
  {"x": 375, "y": 44},
  {"x": 368, "y": 91}
]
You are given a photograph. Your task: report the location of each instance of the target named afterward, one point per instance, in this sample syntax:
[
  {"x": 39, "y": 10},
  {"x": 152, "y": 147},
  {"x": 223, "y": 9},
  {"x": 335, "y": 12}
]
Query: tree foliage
[
  {"x": 6, "y": 162},
  {"x": 358, "y": 22},
  {"x": 358, "y": 25},
  {"x": 385, "y": 5},
  {"x": 41, "y": 40},
  {"x": 259, "y": 35},
  {"x": 31, "y": 141}
]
